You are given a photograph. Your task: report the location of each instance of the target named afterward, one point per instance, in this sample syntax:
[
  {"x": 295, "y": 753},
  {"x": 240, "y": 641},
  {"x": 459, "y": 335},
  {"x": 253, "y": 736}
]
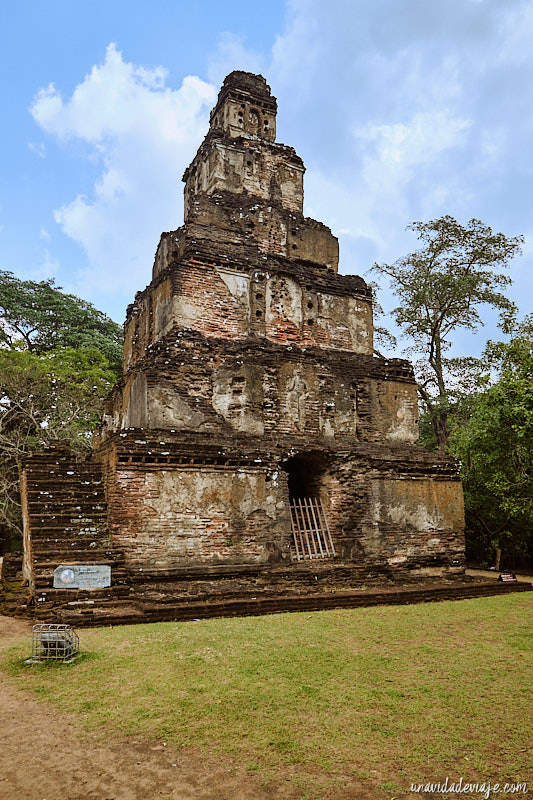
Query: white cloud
[
  {"x": 38, "y": 148},
  {"x": 49, "y": 266},
  {"x": 145, "y": 133},
  {"x": 401, "y": 111},
  {"x": 407, "y": 112},
  {"x": 232, "y": 53},
  {"x": 396, "y": 155},
  {"x": 419, "y": 141}
]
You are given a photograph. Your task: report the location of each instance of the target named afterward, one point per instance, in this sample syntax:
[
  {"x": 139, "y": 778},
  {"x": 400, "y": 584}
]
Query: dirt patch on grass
[
  {"x": 44, "y": 755},
  {"x": 336, "y": 705}
]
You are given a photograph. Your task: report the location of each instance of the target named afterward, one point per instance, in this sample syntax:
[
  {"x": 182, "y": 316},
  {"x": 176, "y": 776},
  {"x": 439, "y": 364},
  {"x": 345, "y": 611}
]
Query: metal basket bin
[{"x": 54, "y": 642}]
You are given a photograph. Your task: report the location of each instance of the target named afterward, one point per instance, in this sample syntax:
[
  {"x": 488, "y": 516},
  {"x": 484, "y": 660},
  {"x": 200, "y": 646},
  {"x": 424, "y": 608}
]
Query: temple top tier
[
  {"x": 240, "y": 154},
  {"x": 245, "y": 107}
]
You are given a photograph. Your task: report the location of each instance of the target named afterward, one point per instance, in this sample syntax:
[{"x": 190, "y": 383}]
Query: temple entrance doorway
[{"x": 311, "y": 537}]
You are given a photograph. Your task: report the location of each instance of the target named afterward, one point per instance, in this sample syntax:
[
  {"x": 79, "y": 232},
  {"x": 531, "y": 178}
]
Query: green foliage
[
  {"x": 44, "y": 398},
  {"x": 45, "y": 319},
  {"x": 53, "y": 396},
  {"x": 493, "y": 437},
  {"x": 442, "y": 287},
  {"x": 59, "y": 358}
]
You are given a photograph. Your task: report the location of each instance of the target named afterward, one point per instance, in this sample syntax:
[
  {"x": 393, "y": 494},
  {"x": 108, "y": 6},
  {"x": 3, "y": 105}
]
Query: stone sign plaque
[
  {"x": 86, "y": 576},
  {"x": 507, "y": 577}
]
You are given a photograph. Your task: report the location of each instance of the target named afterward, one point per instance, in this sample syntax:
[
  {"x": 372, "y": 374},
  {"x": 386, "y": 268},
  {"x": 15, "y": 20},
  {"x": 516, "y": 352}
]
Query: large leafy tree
[
  {"x": 44, "y": 318},
  {"x": 494, "y": 441},
  {"x": 59, "y": 357},
  {"x": 442, "y": 287},
  {"x": 51, "y": 397}
]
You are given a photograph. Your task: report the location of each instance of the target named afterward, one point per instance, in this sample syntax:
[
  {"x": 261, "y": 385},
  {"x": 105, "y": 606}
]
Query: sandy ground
[
  {"x": 491, "y": 573},
  {"x": 45, "y": 756}
]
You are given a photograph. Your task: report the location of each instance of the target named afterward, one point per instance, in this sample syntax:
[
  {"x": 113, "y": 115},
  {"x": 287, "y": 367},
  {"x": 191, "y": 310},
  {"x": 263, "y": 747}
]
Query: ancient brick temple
[{"x": 255, "y": 432}]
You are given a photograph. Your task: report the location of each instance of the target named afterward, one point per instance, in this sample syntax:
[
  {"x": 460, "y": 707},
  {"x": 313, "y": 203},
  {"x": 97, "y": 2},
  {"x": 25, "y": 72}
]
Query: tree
[
  {"x": 495, "y": 444},
  {"x": 44, "y": 398},
  {"x": 45, "y": 318},
  {"x": 59, "y": 357},
  {"x": 442, "y": 287}
]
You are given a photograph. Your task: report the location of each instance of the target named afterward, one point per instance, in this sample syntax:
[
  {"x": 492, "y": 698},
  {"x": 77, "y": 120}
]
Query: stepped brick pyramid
[{"x": 255, "y": 442}]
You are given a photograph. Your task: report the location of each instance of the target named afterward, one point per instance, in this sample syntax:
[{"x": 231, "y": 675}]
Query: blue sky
[{"x": 402, "y": 111}]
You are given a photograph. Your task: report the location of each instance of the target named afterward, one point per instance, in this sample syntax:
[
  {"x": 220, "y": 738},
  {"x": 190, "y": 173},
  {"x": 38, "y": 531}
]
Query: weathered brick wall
[
  {"x": 64, "y": 514},
  {"x": 246, "y": 226},
  {"x": 268, "y": 171},
  {"x": 239, "y": 153},
  {"x": 392, "y": 509},
  {"x": 179, "y": 500},
  {"x": 176, "y": 502},
  {"x": 230, "y": 302},
  {"x": 397, "y": 517},
  {"x": 192, "y": 382},
  {"x": 291, "y": 397},
  {"x": 242, "y": 93},
  {"x": 420, "y": 522}
]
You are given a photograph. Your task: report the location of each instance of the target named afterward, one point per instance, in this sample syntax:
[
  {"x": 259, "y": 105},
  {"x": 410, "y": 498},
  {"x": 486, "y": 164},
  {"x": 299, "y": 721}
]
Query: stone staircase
[{"x": 66, "y": 513}]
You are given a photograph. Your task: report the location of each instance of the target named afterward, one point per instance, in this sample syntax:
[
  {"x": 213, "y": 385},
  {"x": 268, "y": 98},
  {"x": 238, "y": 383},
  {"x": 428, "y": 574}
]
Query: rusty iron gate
[{"x": 311, "y": 537}]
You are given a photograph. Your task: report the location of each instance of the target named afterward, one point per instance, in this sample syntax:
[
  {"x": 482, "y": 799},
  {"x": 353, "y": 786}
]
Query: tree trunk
[{"x": 440, "y": 427}]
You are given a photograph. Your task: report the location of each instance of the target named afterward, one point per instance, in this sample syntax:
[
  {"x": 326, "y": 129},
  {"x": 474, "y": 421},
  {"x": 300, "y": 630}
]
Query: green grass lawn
[{"x": 391, "y": 694}]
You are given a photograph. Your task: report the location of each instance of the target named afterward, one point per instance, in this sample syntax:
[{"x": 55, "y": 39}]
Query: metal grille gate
[{"x": 310, "y": 531}]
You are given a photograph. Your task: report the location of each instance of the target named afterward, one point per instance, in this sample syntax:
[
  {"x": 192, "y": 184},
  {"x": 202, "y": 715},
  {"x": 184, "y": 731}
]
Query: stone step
[
  {"x": 116, "y": 614},
  {"x": 314, "y": 602},
  {"x": 49, "y": 560},
  {"x": 72, "y": 595},
  {"x": 125, "y": 611},
  {"x": 68, "y": 519},
  {"x": 305, "y": 572}
]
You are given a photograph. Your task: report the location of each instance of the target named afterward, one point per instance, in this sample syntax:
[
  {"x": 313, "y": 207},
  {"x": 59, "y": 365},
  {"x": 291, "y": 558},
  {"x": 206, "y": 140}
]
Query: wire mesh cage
[{"x": 54, "y": 642}]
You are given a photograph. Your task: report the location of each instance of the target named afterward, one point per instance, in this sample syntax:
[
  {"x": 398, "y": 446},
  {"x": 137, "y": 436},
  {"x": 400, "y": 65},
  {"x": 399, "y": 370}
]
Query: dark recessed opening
[
  {"x": 311, "y": 537},
  {"x": 305, "y": 476}
]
